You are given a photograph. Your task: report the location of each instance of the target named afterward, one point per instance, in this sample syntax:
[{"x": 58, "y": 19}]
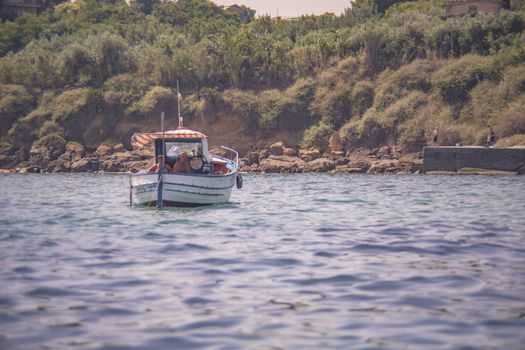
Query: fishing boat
[
  {"x": 185, "y": 172},
  {"x": 204, "y": 179}
]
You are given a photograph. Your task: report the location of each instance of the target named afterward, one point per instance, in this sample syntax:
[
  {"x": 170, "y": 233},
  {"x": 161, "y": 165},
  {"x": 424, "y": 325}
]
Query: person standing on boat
[{"x": 155, "y": 168}]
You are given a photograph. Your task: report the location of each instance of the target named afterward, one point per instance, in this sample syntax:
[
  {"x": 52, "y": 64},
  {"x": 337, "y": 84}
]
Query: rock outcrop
[{"x": 380, "y": 160}]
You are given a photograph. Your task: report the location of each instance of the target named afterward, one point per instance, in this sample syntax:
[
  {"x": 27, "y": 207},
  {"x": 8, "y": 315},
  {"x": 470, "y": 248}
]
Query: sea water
[{"x": 306, "y": 261}]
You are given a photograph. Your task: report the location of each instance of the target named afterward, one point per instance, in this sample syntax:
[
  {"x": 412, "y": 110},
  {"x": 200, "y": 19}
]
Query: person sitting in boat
[
  {"x": 182, "y": 165},
  {"x": 155, "y": 168}
]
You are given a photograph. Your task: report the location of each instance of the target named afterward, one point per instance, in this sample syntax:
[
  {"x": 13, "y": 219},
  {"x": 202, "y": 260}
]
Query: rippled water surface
[{"x": 294, "y": 262}]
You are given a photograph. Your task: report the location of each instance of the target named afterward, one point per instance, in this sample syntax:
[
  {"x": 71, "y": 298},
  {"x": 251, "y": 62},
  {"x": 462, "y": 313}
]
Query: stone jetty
[{"x": 468, "y": 160}]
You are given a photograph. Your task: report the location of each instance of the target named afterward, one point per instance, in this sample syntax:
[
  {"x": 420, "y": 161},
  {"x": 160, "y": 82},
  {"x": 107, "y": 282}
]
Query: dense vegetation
[{"x": 97, "y": 70}]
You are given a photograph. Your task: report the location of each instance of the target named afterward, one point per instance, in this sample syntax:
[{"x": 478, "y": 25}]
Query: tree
[{"x": 145, "y": 6}]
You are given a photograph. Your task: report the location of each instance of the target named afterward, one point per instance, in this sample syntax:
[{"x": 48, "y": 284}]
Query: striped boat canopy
[{"x": 139, "y": 140}]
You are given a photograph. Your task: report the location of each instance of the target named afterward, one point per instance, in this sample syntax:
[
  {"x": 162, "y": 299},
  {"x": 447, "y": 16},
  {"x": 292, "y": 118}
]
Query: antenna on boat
[{"x": 179, "y": 98}]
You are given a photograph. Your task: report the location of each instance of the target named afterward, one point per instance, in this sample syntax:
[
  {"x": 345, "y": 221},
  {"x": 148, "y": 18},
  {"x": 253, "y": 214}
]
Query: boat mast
[
  {"x": 160, "y": 186},
  {"x": 179, "y": 98}
]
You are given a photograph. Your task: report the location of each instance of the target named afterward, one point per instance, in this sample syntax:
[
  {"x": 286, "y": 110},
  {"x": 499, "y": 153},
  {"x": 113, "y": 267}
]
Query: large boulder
[
  {"x": 75, "y": 147},
  {"x": 276, "y": 148},
  {"x": 252, "y": 158},
  {"x": 103, "y": 149},
  {"x": 117, "y": 162},
  {"x": 263, "y": 154},
  {"x": 290, "y": 152},
  {"x": 145, "y": 153},
  {"x": 74, "y": 152},
  {"x": 10, "y": 157},
  {"x": 85, "y": 165},
  {"x": 281, "y": 164},
  {"x": 309, "y": 154},
  {"x": 46, "y": 149},
  {"x": 384, "y": 166},
  {"x": 59, "y": 166},
  {"x": 119, "y": 148},
  {"x": 334, "y": 155},
  {"x": 320, "y": 165}
]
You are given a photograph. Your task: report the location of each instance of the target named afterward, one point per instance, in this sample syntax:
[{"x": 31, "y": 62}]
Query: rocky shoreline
[
  {"x": 281, "y": 159},
  {"x": 54, "y": 156}
]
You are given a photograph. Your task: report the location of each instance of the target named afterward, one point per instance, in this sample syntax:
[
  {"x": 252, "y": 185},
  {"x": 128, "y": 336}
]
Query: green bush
[
  {"x": 422, "y": 6},
  {"x": 76, "y": 65},
  {"x": 513, "y": 83},
  {"x": 244, "y": 105},
  {"x": 271, "y": 108},
  {"x": 333, "y": 104},
  {"x": 111, "y": 56},
  {"x": 450, "y": 136},
  {"x": 373, "y": 131},
  {"x": 15, "y": 102},
  {"x": 317, "y": 136},
  {"x": 191, "y": 107},
  {"x": 287, "y": 110},
  {"x": 512, "y": 119},
  {"x": 403, "y": 109},
  {"x": 455, "y": 80},
  {"x": 70, "y": 103},
  {"x": 362, "y": 97},
  {"x": 484, "y": 104},
  {"x": 210, "y": 103},
  {"x": 515, "y": 140},
  {"x": 157, "y": 98},
  {"x": 53, "y": 141},
  {"x": 124, "y": 89},
  {"x": 296, "y": 114},
  {"x": 50, "y": 127},
  {"x": 412, "y": 138},
  {"x": 393, "y": 85},
  {"x": 350, "y": 134}
]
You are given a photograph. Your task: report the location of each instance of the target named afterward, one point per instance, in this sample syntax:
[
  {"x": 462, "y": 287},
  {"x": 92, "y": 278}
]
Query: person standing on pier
[
  {"x": 435, "y": 137},
  {"x": 491, "y": 138}
]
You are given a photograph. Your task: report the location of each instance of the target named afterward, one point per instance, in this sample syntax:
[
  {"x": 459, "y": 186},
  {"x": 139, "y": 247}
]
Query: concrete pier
[{"x": 454, "y": 159}]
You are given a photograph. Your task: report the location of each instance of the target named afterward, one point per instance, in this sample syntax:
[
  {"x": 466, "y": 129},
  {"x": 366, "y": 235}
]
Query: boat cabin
[
  {"x": 184, "y": 146},
  {"x": 191, "y": 151}
]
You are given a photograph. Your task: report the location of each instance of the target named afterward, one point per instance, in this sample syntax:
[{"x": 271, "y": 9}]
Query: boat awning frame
[{"x": 139, "y": 140}]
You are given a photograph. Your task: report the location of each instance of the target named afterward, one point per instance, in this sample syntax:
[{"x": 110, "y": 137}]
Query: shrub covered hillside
[{"x": 94, "y": 71}]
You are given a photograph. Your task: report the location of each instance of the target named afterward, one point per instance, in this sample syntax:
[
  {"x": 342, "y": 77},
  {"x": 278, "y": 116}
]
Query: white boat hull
[{"x": 182, "y": 189}]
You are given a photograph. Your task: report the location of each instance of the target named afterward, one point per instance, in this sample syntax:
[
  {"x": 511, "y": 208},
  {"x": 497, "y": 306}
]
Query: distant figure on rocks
[
  {"x": 491, "y": 138},
  {"x": 435, "y": 137}
]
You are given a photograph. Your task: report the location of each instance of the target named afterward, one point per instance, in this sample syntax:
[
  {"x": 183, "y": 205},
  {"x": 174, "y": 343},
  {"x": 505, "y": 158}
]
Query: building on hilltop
[
  {"x": 245, "y": 13},
  {"x": 17, "y": 7},
  {"x": 460, "y": 7}
]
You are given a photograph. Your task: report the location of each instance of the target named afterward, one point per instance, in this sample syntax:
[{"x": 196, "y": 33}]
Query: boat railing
[{"x": 236, "y": 160}]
